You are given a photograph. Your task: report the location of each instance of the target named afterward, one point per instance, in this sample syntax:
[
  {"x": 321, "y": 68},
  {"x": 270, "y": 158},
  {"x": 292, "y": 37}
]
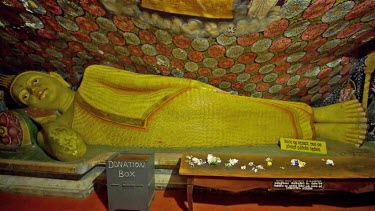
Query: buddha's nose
[{"x": 32, "y": 90}]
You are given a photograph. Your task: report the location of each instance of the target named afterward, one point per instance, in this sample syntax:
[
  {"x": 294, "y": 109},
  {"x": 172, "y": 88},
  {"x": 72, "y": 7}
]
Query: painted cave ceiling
[{"x": 300, "y": 50}]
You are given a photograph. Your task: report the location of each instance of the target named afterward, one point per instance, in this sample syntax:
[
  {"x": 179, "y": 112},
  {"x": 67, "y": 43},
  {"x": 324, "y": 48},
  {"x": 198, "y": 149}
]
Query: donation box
[{"x": 130, "y": 181}]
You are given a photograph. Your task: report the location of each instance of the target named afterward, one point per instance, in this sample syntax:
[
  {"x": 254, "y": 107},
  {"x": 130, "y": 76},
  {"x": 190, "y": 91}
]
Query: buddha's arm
[{"x": 126, "y": 80}]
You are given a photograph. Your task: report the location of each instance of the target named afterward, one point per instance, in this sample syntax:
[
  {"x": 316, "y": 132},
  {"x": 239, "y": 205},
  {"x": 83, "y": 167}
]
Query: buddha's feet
[
  {"x": 345, "y": 112},
  {"x": 347, "y": 133}
]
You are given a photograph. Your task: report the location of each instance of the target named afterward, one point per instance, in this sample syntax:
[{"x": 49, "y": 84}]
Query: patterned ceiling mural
[{"x": 290, "y": 50}]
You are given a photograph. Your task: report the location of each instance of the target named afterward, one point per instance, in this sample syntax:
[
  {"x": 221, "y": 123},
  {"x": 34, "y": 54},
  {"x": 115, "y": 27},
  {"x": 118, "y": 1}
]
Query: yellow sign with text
[{"x": 301, "y": 145}]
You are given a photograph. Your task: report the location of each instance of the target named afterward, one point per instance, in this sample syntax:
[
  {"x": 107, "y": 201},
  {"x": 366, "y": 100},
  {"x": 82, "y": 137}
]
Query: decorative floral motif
[
  {"x": 361, "y": 9},
  {"x": 210, "y": 62},
  {"x": 246, "y": 57},
  {"x": 116, "y": 38},
  {"x": 315, "y": 44},
  {"x": 237, "y": 68},
  {"x": 225, "y": 40},
  {"x": 106, "y": 24},
  {"x": 52, "y": 6},
  {"x": 70, "y": 8},
  {"x": 150, "y": 60},
  {"x": 262, "y": 58},
  {"x": 370, "y": 16},
  {"x": 181, "y": 41},
  {"x": 195, "y": 56},
  {"x": 31, "y": 21},
  {"x": 336, "y": 28},
  {"x": 276, "y": 28},
  {"x": 297, "y": 28},
  {"x": 278, "y": 59},
  {"x": 50, "y": 22},
  {"x": 163, "y": 37},
  {"x": 314, "y": 31},
  {"x": 309, "y": 56},
  {"x": 200, "y": 44},
  {"x": 15, "y": 33},
  {"x": 318, "y": 8},
  {"x": 131, "y": 38},
  {"x": 280, "y": 68},
  {"x": 293, "y": 80},
  {"x": 270, "y": 77},
  {"x": 93, "y": 7},
  {"x": 135, "y": 50},
  {"x": 304, "y": 68},
  {"x": 282, "y": 79},
  {"x": 179, "y": 53},
  {"x": 266, "y": 69},
  {"x": 164, "y": 70},
  {"x": 280, "y": 45},
  {"x": 14, "y": 4},
  {"x": 81, "y": 37},
  {"x": 296, "y": 46},
  {"x": 147, "y": 37},
  {"x": 33, "y": 6},
  {"x": 178, "y": 64},
  {"x": 293, "y": 8},
  {"x": 47, "y": 34},
  {"x": 329, "y": 45},
  {"x": 11, "y": 132},
  {"x": 293, "y": 68},
  {"x": 263, "y": 87},
  {"x": 216, "y": 51},
  {"x": 149, "y": 50},
  {"x": 226, "y": 63},
  {"x": 261, "y": 45},
  {"x": 229, "y": 77},
  {"x": 87, "y": 24},
  {"x": 67, "y": 24},
  {"x": 338, "y": 12},
  {"x": 243, "y": 77},
  {"x": 350, "y": 30},
  {"x": 191, "y": 66},
  {"x": 247, "y": 39},
  {"x": 252, "y": 68},
  {"x": 234, "y": 51},
  {"x": 275, "y": 89},
  {"x": 123, "y": 23},
  {"x": 312, "y": 73},
  {"x": 98, "y": 37},
  {"x": 219, "y": 72},
  {"x": 107, "y": 49},
  {"x": 163, "y": 49},
  {"x": 204, "y": 71}
]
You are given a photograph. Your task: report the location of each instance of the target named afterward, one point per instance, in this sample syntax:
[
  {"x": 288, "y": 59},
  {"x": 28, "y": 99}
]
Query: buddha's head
[{"x": 39, "y": 90}]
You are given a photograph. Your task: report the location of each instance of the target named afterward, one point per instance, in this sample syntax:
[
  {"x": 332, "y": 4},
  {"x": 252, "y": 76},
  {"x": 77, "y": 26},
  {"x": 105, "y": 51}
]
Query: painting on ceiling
[{"x": 297, "y": 50}]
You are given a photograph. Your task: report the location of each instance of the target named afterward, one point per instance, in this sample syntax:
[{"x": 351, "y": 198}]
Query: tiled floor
[{"x": 175, "y": 200}]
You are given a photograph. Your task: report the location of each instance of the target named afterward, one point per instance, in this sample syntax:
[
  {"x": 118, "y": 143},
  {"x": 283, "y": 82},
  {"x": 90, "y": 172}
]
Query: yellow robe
[{"x": 120, "y": 108}]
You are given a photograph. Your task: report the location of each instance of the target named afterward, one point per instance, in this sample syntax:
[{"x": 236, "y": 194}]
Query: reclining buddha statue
[{"x": 120, "y": 108}]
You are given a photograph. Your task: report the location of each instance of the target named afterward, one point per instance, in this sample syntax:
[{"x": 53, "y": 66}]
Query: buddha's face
[{"x": 38, "y": 90}]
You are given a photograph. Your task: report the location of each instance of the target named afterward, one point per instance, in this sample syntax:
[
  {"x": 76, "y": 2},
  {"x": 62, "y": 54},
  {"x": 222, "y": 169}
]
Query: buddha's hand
[
  {"x": 63, "y": 143},
  {"x": 41, "y": 116}
]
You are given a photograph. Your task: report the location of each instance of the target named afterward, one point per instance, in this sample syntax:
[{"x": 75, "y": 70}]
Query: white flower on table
[
  {"x": 232, "y": 162},
  {"x": 213, "y": 160},
  {"x": 330, "y": 162}
]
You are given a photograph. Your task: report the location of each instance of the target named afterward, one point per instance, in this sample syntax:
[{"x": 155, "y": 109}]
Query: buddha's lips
[{"x": 40, "y": 93}]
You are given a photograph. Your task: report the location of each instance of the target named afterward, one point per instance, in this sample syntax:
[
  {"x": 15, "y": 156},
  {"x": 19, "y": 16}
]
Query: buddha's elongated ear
[{"x": 59, "y": 78}]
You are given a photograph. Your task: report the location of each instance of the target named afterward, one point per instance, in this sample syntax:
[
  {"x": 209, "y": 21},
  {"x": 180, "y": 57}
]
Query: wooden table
[{"x": 352, "y": 174}]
